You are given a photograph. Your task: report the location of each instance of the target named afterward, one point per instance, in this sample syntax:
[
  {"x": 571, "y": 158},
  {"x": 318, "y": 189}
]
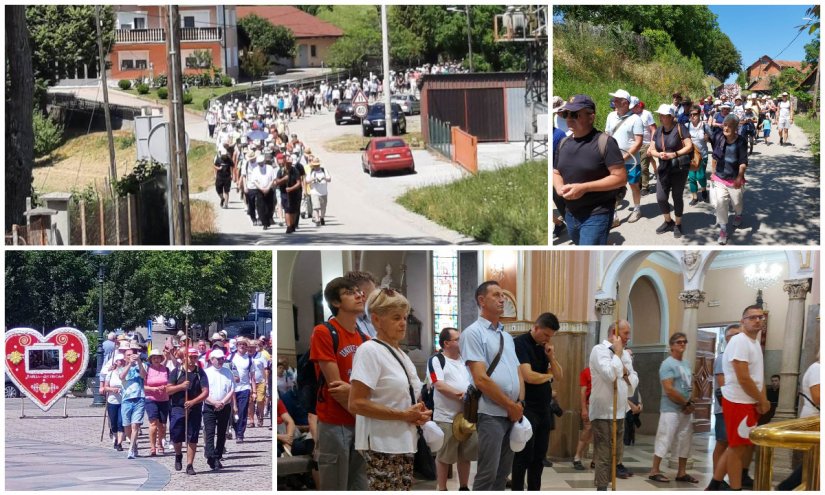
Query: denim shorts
[
  {"x": 721, "y": 432},
  {"x": 132, "y": 411},
  {"x": 157, "y": 410}
]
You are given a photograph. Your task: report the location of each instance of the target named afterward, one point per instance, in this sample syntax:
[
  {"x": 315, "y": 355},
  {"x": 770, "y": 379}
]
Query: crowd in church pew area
[{"x": 354, "y": 414}]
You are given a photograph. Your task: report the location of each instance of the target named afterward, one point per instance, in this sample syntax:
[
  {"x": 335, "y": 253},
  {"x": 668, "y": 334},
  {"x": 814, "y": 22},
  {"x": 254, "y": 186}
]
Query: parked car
[
  {"x": 408, "y": 103},
  {"x": 386, "y": 154},
  {"x": 344, "y": 113},
  {"x": 374, "y": 125},
  {"x": 12, "y": 392}
]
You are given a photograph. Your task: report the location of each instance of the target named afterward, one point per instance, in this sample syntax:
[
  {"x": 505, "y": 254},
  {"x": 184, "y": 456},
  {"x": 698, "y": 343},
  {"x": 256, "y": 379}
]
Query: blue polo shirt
[{"x": 480, "y": 342}]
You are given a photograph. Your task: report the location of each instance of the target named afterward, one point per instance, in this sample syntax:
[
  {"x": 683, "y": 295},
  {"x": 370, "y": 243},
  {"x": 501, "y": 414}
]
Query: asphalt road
[{"x": 781, "y": 204}]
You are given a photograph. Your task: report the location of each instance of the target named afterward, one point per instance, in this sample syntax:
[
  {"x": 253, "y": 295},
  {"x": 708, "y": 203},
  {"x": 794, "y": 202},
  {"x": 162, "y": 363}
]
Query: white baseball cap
[
  {"x": 620, "y": 93},
  {"x": 665, "y": 109},
  {"x": 216, "y": 353},
  {"x": 433, "y": 435},
  {"x": 520, "y": 434},
  {"x": 633, "y": 101}
]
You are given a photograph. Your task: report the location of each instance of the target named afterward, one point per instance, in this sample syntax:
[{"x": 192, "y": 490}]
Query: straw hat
[{"x": 462, "y": 429}]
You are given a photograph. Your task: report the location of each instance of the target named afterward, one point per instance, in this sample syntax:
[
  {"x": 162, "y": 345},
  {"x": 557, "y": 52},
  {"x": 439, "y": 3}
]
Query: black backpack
[
  {"x": 310, "y": 384},
  {"x": 427, "y": 391}
]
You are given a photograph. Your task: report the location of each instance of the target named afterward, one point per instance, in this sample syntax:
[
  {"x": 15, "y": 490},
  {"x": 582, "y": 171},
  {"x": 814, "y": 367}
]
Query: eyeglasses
[
  {"x": 681, "y": 342},
  {"x": 572, "y": 115},
  {"x": 756, "y": 317},
  {"x": 352, "y": 292}
]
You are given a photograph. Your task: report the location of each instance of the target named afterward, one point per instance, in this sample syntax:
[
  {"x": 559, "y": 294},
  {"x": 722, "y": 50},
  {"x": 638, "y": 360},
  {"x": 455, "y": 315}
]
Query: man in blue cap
[{"x": 588, "y": 169}]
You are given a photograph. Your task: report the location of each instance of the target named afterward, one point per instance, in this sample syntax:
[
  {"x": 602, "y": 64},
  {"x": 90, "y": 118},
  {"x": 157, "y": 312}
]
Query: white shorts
[
  {"x": 675, "y": 434},
  {"x": 784, "y": 123}
]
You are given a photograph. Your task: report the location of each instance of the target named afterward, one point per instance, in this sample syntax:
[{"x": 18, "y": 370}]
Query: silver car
[{"x": 409, "y": 104}]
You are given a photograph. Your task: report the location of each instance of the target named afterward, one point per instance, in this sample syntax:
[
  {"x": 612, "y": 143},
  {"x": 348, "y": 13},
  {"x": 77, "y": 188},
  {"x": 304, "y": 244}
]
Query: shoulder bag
[
  {"x": 681, "y": 163},
  {"x": 473, "y": 394}
]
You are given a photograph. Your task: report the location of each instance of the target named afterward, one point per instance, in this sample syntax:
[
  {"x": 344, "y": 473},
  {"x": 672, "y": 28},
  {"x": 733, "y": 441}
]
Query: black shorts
[
  {"x": 291, "y": 202},
  {"x": 177, "y": 424},
  {"x": 157, "y": 410},
  {"x": 223, "y": 185}
]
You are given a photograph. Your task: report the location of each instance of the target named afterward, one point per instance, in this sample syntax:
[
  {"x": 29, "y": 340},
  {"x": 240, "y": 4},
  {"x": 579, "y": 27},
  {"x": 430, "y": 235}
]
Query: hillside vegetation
[{"x": 597, "y": 60}]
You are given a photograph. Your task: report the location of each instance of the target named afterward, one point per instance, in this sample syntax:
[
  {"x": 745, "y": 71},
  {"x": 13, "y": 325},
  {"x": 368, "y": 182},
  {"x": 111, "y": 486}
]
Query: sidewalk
[{"x": 46, "y": 452}]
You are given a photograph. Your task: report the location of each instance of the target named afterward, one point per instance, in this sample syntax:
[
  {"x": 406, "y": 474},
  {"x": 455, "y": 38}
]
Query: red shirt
[
  {"x": 584, "y": 381},
  {"x": 328, "y": 409},
  {"x": 281, "y": 411}
]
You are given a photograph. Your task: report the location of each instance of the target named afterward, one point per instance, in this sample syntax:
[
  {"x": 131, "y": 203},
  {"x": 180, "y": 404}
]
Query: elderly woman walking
[
  {"x": 728, "y": 164},
  {"x": 157, "y": 400},
  {"x": 672, "y": 147},
  {"x": 382, "y": 374},
  {"x": 112, "y": 387}
]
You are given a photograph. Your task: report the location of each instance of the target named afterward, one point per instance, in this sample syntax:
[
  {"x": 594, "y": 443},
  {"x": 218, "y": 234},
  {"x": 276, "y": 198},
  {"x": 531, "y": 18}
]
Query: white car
[{"x": 409, "y": 104}]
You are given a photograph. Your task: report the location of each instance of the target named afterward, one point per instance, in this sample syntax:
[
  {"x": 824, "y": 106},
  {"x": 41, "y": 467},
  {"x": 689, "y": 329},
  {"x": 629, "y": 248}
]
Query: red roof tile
[{"x": 303, "y": 25}]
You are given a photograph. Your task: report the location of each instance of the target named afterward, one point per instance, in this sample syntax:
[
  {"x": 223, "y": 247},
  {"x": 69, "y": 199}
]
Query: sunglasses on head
[{"x": 388, "y": 291}]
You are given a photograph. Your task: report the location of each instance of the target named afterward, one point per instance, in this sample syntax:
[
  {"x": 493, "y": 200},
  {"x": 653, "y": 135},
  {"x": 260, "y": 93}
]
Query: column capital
[
  {"x": 692, "y": 298},
  {"x": 797, "y": 288},
  {"x": 605, "y": 306}
]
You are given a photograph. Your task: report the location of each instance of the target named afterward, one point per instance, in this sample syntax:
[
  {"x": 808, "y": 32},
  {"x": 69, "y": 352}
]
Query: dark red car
[{"x": 387, "y": 154}]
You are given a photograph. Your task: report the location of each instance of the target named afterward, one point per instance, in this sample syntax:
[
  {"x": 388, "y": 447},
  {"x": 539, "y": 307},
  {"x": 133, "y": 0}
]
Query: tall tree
[
  {"x": 257, "y": 33},
  {"x": 19, "y": 126}
]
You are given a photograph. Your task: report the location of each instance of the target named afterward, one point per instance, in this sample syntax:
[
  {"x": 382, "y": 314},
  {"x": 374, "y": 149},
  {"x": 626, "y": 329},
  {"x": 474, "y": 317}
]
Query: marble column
[
  {"x": 690, "y": 320},
  {"x": 605, "y": 308},
  {"x": 797, "y": 290}
]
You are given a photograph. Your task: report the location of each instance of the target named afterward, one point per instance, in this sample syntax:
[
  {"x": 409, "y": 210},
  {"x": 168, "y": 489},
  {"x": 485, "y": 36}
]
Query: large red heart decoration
[{"x": 44, "y": 368}]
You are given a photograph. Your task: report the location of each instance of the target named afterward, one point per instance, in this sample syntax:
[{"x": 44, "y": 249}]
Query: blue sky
[{"x": 758, "y": 30}]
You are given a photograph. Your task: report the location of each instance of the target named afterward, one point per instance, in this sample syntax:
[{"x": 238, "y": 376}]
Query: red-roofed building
[
  {"x": 313, "y": 36},
  {"x": 760, "y": 72}
]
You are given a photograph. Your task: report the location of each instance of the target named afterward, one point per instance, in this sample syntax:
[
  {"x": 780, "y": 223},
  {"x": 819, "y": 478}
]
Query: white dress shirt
[{"x": 605, "y": 366}]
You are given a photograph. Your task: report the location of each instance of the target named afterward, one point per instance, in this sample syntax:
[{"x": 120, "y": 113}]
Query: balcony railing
[
  {"x": 158, "y": 35},
  {"x": 797, "y": 434}
]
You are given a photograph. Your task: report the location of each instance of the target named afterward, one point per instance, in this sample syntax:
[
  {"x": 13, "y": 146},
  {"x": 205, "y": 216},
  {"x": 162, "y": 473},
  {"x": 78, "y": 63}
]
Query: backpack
[
  {"x": 309, "y": 383},
  {"x": 428, "y": 391}
]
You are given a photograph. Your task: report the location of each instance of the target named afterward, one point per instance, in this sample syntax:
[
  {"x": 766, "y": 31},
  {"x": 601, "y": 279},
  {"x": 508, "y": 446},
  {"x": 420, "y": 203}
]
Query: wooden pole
[
  {"x": 107, "y": 116},
  {"x": 186, "y": 390}
]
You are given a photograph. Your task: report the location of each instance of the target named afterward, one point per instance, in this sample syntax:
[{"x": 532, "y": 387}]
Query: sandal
[
  {"x": 153, "y": 452},
  {"x": 659, "y": 477},
  {"x": 688, "y": 478}
]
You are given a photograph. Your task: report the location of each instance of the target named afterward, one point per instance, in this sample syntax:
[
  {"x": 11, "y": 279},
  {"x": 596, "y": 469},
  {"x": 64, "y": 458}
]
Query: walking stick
[
  {"x": 105, "y": 410},
  {"x": 186, "y": 390},
  {"x": 615, "y": 403}
]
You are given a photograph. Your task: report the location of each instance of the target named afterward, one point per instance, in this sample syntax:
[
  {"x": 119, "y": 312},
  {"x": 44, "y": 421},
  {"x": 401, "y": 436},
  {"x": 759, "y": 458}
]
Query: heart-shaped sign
[{"x": 44, "y": 368}]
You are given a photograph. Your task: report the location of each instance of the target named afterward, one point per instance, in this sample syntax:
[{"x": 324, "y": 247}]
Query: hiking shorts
[
  {"x": 634, "y": 172},
  {"x": 740, "y": 419},
  {"x": 131, "y": 410},
  {"x": 767, "y": 132}
]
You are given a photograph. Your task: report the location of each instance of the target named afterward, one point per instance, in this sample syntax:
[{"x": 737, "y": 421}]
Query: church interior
[{"x": 658, "y": 292}]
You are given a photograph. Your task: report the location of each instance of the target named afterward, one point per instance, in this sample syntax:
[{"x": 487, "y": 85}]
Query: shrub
[
  {"x": 143, "y": 89},
  {"x": 124, "y": 84},
  {"x": 187, "y": 98},
  {"x": 206, "y": 104},
  {"x": 47, "y": 134},
  {"x": 227, "y": 81},
  {"x": 160, "y": 81},
  {"x": 163, "y": 93}
]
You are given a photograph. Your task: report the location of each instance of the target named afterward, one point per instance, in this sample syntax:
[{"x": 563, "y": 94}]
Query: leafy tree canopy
[{"x": 257, "y": 33}]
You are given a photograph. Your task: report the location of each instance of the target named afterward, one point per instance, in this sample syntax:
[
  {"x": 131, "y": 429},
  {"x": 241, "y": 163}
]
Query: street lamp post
[
  {"x": 469, "y": 32},
  {"x": 98, "y": 399}
]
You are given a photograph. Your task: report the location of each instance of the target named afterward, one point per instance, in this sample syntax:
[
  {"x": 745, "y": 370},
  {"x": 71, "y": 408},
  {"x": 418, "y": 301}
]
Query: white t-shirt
[
  {"x": 742, "y": 348},
  {"x": 220, "y": 382},
  {"x": 377, "y": 369},
  {"x": 454, "y": 374},
  {"x": 242, "y": 365},
  {"x": 114, "y": 381},
  {"x": 647, "y": 121},
  {"x": 626, "y": 135},
  {"x": 259, "y": 363},
  {"x": 318, "y": 178},
  {"x": 810, "y": 379},
  {"x": 262, "y": 177},
  {"x": 785, "y": 109}
]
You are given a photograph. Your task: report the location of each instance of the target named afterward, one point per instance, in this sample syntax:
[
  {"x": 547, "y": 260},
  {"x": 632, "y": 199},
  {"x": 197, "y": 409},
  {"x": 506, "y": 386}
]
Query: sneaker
[
  {"x": 677, "y": 231},
  {"x": 190, "y": 469},
  {"x": 222, "y": 202},
  {"x": 178, "y": 462},
  {"x": 635, "y": 216},
  {"x": 577, "y": 465},
  {"x": 558, "y": 229},
  {"x": 119, "y": 447},
  {"x": 323, "y": 222},
  {"x": 621, "y": 469},
  {"x": 665, "y": 227},
  {"x": 737, "y": 220},
  {"x": 723, "y": 237},
  {"x": 131, "y": 454},
  {"x": 694, "y": 201}
]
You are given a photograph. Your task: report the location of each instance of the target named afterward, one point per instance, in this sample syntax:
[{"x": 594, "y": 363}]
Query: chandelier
[{"x": 761, "y": 276}]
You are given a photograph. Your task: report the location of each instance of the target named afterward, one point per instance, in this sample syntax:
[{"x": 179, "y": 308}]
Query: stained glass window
[{"x": 445, "y": 292}]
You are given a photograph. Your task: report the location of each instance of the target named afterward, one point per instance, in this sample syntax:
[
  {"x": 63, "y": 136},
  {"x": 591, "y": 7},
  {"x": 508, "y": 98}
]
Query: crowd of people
[
  {"x": 184, "y": 389},
  {"x": 369, "y": 415},
  {"x": 592, "y": 168}
]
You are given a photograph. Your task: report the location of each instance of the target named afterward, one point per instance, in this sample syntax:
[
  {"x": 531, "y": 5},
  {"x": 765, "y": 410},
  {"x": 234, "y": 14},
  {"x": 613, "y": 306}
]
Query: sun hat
[
  {"x": 216, "y": 336},
  {"x": 462, "y": 429},
  {"x": 217, "y": 354},
  {"x": 155, "y": 352},
  {"x": 665, "y": 109},
  {"x": 316, "y": 162}
]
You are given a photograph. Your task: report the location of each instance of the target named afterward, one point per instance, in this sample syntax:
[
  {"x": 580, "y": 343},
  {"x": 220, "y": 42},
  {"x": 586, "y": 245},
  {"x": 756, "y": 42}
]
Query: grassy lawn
[
  {"x": 84, "y": 160},
  {"x": 198, "y": 95},
  {"x": 505, "y": 207},
  {"x": 810, "y": 125},
  {"x": 354, "y": 144}
]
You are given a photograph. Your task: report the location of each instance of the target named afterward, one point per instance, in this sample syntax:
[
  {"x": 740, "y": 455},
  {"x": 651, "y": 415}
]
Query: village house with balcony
[{"x": 208, "y": 37}]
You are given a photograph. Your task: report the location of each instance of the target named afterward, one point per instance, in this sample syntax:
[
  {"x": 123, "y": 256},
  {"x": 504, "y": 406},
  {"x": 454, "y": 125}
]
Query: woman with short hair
[
  {"x": 671, "y": 144},
  {"x": 382, "y": 374},
  {"x": 728, "y": 164}
]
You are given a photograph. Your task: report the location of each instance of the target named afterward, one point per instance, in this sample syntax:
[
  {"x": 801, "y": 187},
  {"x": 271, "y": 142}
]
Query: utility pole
[
  {"x": 106, "y": 114},
  {"x": 177, "y": 142},
  {"x": 172, "y": 176},
  {"x": 386, "y": 53}
]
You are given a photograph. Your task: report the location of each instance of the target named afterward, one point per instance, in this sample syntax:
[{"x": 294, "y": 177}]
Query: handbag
[
  {"x": 473, "y": 395},
  {"x": 681, "y": 163},
  {"x": 423, "y": 462}
]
